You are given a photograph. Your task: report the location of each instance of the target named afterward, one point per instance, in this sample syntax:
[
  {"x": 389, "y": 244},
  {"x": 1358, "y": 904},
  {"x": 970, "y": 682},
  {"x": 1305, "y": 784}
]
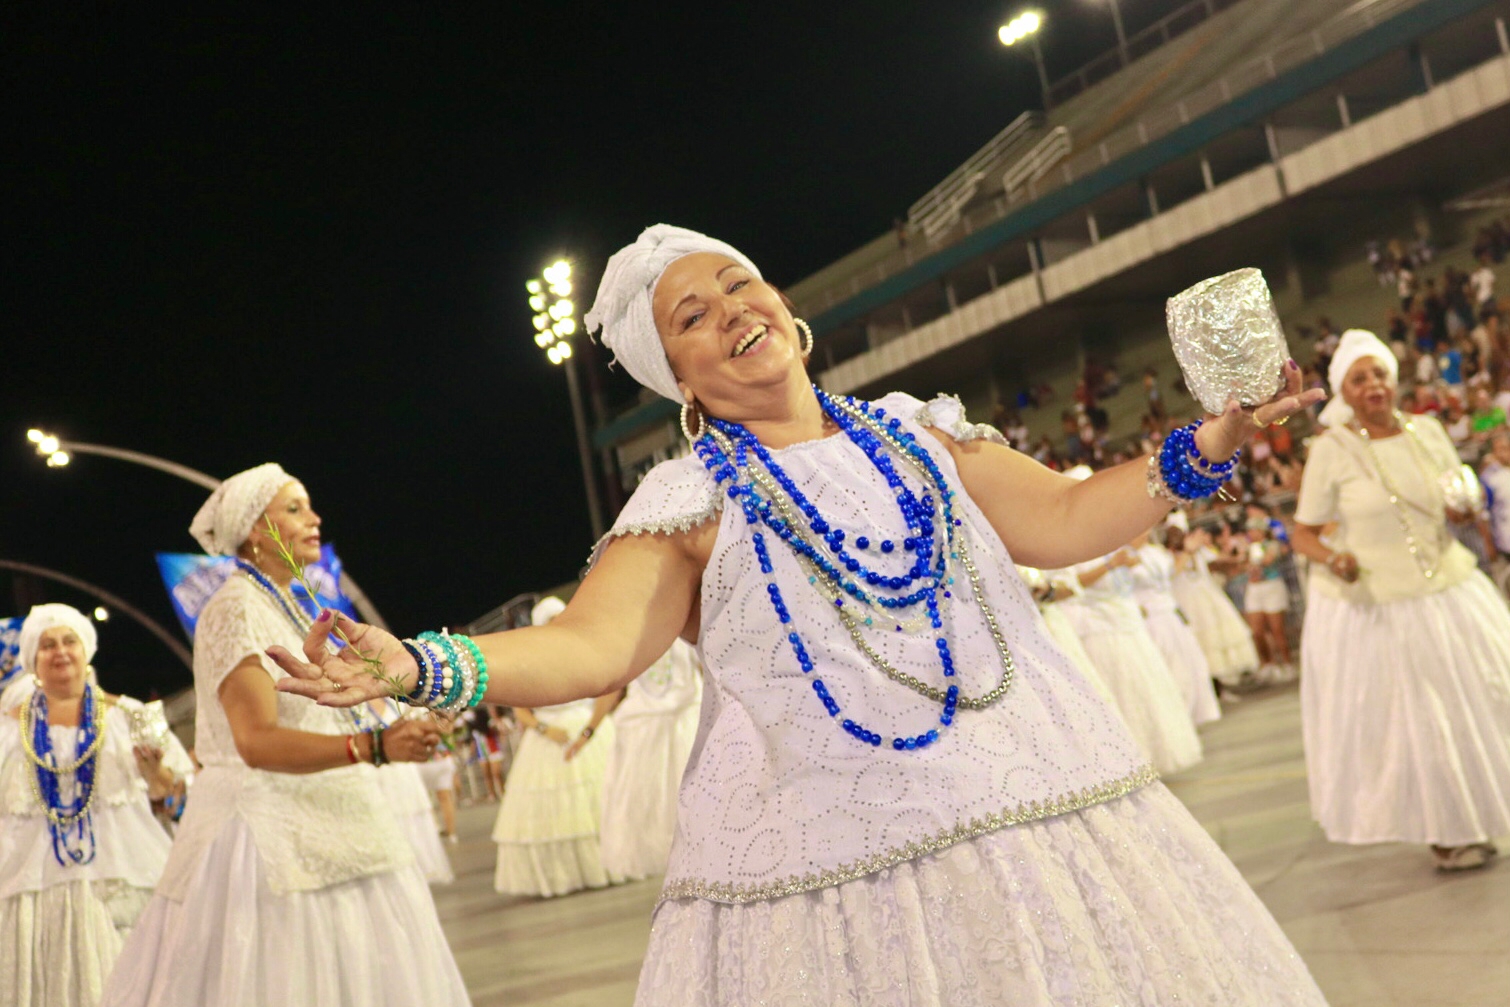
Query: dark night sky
[{"x": 267, "y": 234}]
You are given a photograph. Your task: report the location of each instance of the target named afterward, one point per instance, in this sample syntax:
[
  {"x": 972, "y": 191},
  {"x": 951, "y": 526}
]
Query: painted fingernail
[
  {"x": 1292, "y": 364},
  {"x": 324, "y": 615}
]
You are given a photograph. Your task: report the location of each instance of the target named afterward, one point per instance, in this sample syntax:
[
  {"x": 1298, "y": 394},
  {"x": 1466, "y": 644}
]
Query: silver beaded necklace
[{"x": 1423, "y": 460}]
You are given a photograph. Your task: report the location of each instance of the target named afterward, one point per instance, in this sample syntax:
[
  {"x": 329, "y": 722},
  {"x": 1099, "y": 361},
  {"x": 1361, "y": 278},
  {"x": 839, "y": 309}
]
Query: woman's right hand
[
  {"x": 343, "y": 676},
  {"x": 411, "y": 741},
  {"x": 1343, "y": 565}
]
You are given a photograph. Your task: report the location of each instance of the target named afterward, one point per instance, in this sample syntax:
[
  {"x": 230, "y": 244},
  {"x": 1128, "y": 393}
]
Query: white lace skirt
[
  {"x": 1406, "y": 713},
  {"x": 58, "y": 944},
  {"x": 1124, "y": 903},
  {"x": 404, "y": 787},
  {"x": 1140, "y": 682},
  {"x": 639, "y": 791},
  {"x": 1187, "y": 661},
  {"x": 232, "y": 942},
  {"x": 548, "y": 821},
  {"x": 1219, "y": 626}
]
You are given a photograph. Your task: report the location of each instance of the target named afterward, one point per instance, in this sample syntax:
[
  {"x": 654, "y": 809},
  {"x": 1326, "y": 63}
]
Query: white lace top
[
  {"x": 311, "y": 829},
  {"x": 777, "y": 799},
  {"x": 130, "y": 845}
]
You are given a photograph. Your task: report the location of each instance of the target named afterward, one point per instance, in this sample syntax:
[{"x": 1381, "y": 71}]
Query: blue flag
[
  {"x": 191, "y": 579},
  {"x": 10, "y": 649}
]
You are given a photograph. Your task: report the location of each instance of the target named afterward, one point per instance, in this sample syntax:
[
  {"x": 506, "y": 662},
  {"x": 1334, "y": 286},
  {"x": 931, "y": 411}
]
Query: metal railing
[
  {"x": 940, "y": 208},
  {"x": 1141, "y": 43},
  {"x": 1036, "y": 163},
  {"x": 1146, "y": 130}
]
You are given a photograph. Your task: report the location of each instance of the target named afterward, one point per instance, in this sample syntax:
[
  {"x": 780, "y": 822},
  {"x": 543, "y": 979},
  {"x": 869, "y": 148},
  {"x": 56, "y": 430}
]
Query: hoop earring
[
  {"x": 807, "y": 335},
  {"x": 702, "y": 424}
]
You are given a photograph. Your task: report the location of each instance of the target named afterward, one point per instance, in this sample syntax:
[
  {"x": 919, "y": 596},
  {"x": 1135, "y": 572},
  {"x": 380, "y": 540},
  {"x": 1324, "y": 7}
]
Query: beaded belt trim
[{"x": 715, "y": 891}]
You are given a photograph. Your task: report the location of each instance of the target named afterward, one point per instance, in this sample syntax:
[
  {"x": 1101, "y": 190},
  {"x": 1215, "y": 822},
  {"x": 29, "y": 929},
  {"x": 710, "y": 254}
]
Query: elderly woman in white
[
  {"x": 289, "y": 881},
  {"x": 80, "y": 850},
  {"x": 902, "y": 791},
  {"x": 1406, "y": 647}
]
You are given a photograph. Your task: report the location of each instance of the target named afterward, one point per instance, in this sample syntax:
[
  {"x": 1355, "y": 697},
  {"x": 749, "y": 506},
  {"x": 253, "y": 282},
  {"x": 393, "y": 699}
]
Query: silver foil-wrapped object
[
  {"x": 149, "y": 726},
  {"x": 1461, "y": 490},
  {"x": 1228, "y": 340}
]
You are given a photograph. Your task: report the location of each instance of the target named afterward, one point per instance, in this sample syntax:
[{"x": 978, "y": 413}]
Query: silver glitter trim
[
  {"x": 664, "y": 526},
  {"x": 962, "y": 430},
  {"x": 716, "y": 891}
]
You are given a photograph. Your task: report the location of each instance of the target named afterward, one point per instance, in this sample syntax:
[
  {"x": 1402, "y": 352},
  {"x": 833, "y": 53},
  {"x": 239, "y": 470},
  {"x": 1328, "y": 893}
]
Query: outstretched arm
[
  {"x": 1049, "y": 520},
  {"x": 630, "y": 608}
]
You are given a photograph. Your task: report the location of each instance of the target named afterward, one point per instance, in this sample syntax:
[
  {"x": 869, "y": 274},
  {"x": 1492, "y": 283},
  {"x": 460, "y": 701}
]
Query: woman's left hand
[
  {"x": 1220, "y": 436},
  {"x": 149, "y": 762},
  {"x": 575, "y": 747}
]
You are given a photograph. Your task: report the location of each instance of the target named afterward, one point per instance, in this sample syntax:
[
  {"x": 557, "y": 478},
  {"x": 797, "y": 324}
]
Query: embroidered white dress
[
  {"x": 61, "y": 925},
  {"x": 1029, "y": 857},
  {"x": 552, "y": 810},
  {"x": 1111, "y": 626},
  {"x": 281, "y": 888},
  {"x": 654, "y": 729},
  {"x": 1218, "y": 625},
  {"x": 1153, "y": 589},
  {"x": 1405, "y": 696}
]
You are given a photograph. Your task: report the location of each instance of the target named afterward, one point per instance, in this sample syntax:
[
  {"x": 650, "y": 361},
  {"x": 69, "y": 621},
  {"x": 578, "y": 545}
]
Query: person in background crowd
[
  {"x": 440, "y": 775},
  {"x": 1405, "y": 702},
  {"x": 1482, "y": 282},
  {"x": 80, "y": 850},
  {"x": 1495, "y": 476},
  {"x": 1218, "y": 625},
  {"x": 1266, "y": 600},
  {"x": 1487, "y": 417}
]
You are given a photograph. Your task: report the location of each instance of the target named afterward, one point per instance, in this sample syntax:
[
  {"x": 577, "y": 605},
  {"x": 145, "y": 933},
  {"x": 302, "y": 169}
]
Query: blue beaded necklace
[
  {"x": 771, "y": 498},
  {"x": 68, "y": 821},
  {"x": 302, "y": 622}
]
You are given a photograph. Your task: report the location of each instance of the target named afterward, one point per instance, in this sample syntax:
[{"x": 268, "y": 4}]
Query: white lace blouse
[
  {"x": 777, "y": 799},
  {"x": 311, "y": 830}
]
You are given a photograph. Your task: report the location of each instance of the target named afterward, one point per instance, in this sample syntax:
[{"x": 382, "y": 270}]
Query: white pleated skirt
[
  {"x": 639, "y": 791},
  {"x": 1063, "y": 632},
  {"x": 58, "y": 944},
  {"x": 549, "y": 820},
  {"x": 1140, "y": 681},
  {"x": 1124, "y": 903},
  {"x": 1406, "y": 712},
  {"x": 403, "y": 785},
  {"x": 233, "y": 942},
  {"x": 1219, "y": 626},
  {"x": 1187, "y": 662}
]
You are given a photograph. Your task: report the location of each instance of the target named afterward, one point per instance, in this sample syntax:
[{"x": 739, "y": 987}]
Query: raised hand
[
  {"x": 1220, "y": 436},
  {"x": 344, "y": 677}
]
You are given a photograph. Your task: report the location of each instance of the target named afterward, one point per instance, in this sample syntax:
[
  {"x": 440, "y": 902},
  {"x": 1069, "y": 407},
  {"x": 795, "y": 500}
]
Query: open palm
[{"x": 345, "y": 676}]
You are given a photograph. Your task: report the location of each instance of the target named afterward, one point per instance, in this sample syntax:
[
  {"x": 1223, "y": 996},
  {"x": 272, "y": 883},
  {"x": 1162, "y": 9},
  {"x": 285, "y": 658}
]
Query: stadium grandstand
[{"x": 1283, "y": 134}]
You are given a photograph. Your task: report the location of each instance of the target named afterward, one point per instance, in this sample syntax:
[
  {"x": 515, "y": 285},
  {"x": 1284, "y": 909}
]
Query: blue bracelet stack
[
  {"x": 1180, "y": 474},
  {"x": 453, "y": 673}
]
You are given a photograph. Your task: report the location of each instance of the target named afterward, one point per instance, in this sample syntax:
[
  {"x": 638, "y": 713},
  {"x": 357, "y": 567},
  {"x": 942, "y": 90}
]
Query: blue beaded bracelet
[
  {"x": 437, "y": 677},
  {"x": 418, "y": 693}
]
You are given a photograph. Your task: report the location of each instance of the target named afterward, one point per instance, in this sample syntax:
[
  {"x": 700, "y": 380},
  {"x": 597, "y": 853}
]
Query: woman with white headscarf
[
  {"x": 901, "y": 791},
  {"x": 289, "y": 881},
  {"x": 1405, "y": 698},
  {"x": 549, "y": 820},
  {"x": 80, "y": 849}
]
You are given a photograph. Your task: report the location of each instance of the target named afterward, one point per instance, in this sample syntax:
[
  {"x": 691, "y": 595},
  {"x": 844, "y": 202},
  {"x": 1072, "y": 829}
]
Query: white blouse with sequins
[{"x": 777, "y": 797}]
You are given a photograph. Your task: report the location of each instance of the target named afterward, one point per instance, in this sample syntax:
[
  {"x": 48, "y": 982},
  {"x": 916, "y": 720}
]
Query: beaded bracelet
[
  {"x": 351, "y": 749},
  {"x": 482, "y": 669},
  {"x": 466, "y": 672},
  {"x": 445, "y": 674},
  {"x": 1184, "y": 438},
  {"x": 379, "y": 757},
  {"x": 452, "y": 662},
  {"x": 420, "y": 686},
  {"x": 1173, "y": 474}
]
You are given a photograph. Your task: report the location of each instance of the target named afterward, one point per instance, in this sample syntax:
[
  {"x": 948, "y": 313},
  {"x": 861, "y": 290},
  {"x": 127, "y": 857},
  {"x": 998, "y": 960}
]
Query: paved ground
[{"x": 1377, "y": 925}]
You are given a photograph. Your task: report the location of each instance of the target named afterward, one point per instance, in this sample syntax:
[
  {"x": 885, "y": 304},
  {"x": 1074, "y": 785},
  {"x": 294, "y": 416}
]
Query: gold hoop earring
[
  {"x": 702, "y": 424},
  {"x": 807, "y": 335}
]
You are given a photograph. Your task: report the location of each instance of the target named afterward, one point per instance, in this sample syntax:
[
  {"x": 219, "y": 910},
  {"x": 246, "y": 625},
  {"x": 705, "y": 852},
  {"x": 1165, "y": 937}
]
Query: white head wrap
[
  {"x": 227, "y": 518},
  {"x": 1354, "y": 345},
  {"x": 45, "y": 617},
  {"x": 546, "y": 609},
  {"x": 1080, "y": 473},
  {"x": 1177, "y": 519},
  {"x": 622, "y": 307}
]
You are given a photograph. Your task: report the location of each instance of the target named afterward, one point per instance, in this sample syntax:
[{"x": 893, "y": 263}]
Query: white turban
[
  {"x": 1080, "y": 473},
  {"x": 546, "y": 609},
  {"x": 45, "y": 617},
  {"x": 1177, "y": 519},
  {"x": 227, "y": 518},
  {"x": 622, "y": 307},
  {"x": 1353, "y": 347}
]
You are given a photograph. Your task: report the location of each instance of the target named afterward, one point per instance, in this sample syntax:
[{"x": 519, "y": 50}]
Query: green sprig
[{"x": 374, "y": 665}]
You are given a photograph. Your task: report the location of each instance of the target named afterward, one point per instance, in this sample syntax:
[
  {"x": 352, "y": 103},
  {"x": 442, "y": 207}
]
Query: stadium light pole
[
  {"x": 555, "y": 321},
  {"x": 59, "y": 454},
  {"x": 1025, "y": 27},
  {"x": 1121, "y": 32}
]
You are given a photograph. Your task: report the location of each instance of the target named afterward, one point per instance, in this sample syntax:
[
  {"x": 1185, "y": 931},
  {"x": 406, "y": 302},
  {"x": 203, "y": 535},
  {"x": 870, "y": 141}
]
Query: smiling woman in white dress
[
  {"x": 1405, "y": 700},
  {"x": 919, "y": 801},
  {"x": 80, "y": 849},
  {"x": 289, "y": 881}
]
